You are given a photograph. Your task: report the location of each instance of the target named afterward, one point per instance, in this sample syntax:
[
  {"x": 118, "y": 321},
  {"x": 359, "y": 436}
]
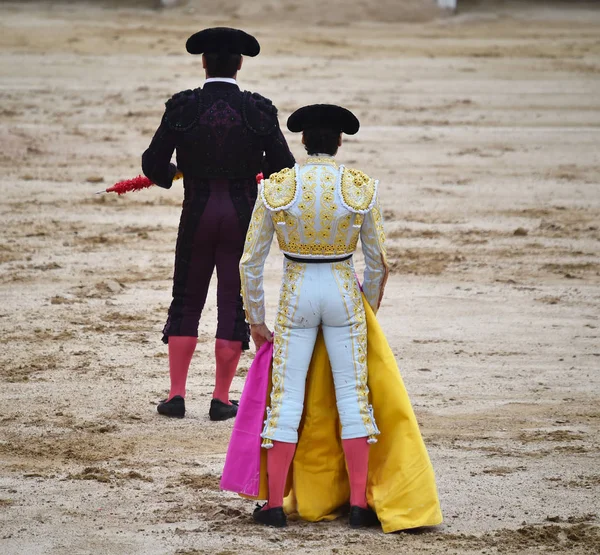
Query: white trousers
[{"x": 313, "y": 295}]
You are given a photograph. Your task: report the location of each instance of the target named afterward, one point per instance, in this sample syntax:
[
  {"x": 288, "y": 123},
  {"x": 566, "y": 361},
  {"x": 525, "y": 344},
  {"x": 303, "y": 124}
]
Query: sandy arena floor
[{"x": 484, "y": 131}]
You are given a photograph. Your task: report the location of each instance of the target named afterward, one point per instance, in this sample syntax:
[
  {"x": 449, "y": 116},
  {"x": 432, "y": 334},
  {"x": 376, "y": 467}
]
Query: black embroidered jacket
[{"x": 217, "y": 132}]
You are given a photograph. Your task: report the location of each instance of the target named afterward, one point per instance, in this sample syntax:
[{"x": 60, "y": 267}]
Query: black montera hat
[
  {"x": 222, "y": 40},
  {"x": 323, "y": 115}
]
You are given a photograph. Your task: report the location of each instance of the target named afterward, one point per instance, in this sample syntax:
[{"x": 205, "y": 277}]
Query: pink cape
[{"x": 241, "y": 473}]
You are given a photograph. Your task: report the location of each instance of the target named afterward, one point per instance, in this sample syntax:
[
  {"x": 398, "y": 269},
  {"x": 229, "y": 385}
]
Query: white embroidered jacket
[{"x": 317, "y": 210}]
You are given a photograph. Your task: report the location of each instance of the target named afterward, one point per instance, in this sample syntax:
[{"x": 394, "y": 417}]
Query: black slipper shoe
[
  {"x": 270, "y": 517},
  {"x": 174, "y": 408},
  {"x": 360, "y": 517},
  {"x": 222, "y": 411}
]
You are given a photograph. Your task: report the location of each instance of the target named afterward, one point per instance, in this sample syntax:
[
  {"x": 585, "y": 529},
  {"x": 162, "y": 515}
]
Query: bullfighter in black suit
[{"x": 223, "y": 137}]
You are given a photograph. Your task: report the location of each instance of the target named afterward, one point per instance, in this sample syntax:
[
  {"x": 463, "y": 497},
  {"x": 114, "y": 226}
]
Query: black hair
[
  {"x": 222, "y": 65},
  {"x": 321, "y": 140}
]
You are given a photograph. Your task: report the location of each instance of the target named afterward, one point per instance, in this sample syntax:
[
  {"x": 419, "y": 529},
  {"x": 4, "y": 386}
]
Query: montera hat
[
  {"x": 326, "y": 116},
  {"x": 222, "y": 40}
]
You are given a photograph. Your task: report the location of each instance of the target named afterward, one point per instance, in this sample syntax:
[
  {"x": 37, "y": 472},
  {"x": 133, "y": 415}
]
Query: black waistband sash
[{"x": 316, "y": 260}]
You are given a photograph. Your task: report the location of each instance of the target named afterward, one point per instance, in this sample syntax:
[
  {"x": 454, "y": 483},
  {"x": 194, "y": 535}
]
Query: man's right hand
[{"x": 260, "y": 335}]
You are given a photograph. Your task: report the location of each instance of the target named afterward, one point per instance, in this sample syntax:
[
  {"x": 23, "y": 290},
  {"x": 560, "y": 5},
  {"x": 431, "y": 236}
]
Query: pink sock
[
  {"x": 357, "y": 460},
  {"x": 227, "y": 356},
  {"x": 181, "y": 349},
  {"x": 279, "y": 458}
]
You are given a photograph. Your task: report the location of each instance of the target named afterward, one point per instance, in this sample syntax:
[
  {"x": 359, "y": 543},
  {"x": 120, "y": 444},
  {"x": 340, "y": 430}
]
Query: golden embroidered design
[
  {"x": 357, "y": 190},
  {"x": 288, "y": 303},
  {"x": 307, "y": 205},
  {"x": 316, "y": 222},
  {"x": 348, "y": 287},
  {"x": 343, "y": 225},
  {"x": 380, "y": 233},
  {"x": 280, "y": 190},
  {"x": 321, "y": 160},
  {"x": 328, "y": 207}
]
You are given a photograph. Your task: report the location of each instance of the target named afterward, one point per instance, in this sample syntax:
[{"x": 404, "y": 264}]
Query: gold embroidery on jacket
[
  {"x": 279, "y": 223},
  {"x": 321, "y": 160},
  {"x": 373, "y": 238},
  {"x": 382, "y": 249},
  {"x": 279, "y": 191},
  {"x": 380, "y": 232},
  {"x": 328, "y": 206},
  {"x": 307, "y": 205},
  {"x": 357, "y": 190},
  {"x": 312, "y": 225},
  {"x": 343, "y": 225}
]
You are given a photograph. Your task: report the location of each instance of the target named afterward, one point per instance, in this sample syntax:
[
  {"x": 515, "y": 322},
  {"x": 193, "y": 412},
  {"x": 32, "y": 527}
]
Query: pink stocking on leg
[
  {"x": 357, "y": 460},
  {"x": 181, "y": 349},
  {"x": 279, "y": 458},
  {"x": 227, "y": 356}
]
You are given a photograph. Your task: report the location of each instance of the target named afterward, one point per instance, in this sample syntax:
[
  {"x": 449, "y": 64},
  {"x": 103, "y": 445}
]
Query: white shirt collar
[{"x": 221, "y": 80}]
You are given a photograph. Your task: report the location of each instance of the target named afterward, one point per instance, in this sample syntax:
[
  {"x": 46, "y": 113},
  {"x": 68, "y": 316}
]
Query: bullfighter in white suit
[{"x": 318, "y": 212}]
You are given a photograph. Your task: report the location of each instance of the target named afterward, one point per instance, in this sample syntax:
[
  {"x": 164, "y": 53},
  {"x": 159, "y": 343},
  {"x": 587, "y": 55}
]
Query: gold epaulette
[
  {"x": 280, "y": 191},
  {"x": 358, "y": 191}
]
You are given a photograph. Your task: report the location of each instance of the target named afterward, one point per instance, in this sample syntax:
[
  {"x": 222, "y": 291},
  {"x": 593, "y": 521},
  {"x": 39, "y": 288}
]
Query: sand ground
[{"x": 484, "y": 131}]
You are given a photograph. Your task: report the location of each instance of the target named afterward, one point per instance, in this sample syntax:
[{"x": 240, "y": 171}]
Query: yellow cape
[{"x": 401, "y": 484}]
